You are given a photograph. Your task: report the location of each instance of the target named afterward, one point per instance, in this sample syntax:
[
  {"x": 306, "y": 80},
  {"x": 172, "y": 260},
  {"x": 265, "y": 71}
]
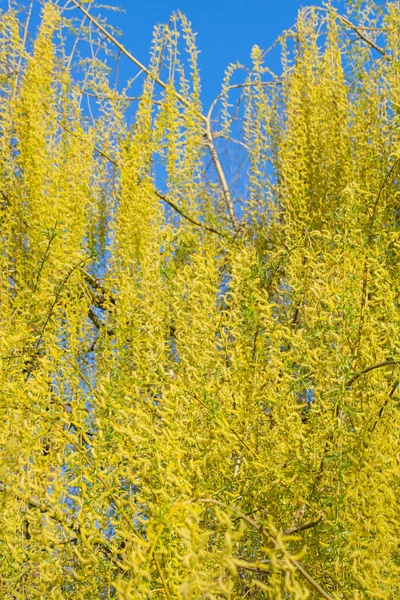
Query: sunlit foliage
[{"x": 199, "y": 372}]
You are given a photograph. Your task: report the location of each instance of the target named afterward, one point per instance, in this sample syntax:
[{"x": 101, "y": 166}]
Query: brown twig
[
  {"x": 357, "y": 30},
  {"x": 188, "y": 217},
  {"x": 391, "y": 393},
  {"x": 385, "y": 363},
  {"x": 297, "y": 529},
  {"x": 314, "y": 584}
]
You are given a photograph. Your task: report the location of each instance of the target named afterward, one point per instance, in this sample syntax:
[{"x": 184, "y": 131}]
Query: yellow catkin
[{"x": 199, "y": 361}]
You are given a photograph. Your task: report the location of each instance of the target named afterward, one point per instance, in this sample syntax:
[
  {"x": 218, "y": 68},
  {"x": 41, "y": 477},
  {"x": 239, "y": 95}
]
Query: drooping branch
[
  {"x": 206, "y": 121},
  {"x": 135, "y": 61},
  {"x": 157, "y": 193},
  {"x": 314, "y": 584},
  {"x": 262, "y": 566},
  {"x": 385, "y": 363},
  {"x": 382, "y": 408},
  {"x": 73, "y": 529},
  {"x": 186, "y": 216},
  {"x": 298, "y": 528},
  {"x": 385, "y": 181},
  {"x": 357, "y": 30}
]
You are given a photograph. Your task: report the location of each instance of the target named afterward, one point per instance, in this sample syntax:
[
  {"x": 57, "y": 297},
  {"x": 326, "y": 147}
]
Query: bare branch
[
  {"x": 220, "y": 171},
  {"x": 357, "y": 30}
]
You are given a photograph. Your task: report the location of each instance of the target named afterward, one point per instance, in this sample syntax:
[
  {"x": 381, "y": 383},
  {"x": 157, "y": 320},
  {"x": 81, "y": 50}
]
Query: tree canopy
[{"x": 199, "y": 325}]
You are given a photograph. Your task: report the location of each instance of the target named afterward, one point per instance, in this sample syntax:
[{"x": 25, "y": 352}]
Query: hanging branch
[
  {"x": 186, "y": 216},
  {"x": 357, "y": 30},
  {"x": 385, "y": 181},
  {"x": 385, "y": 363},
  {"x": 206, "y": 121},
  {"x": 73, "y": 529},
  {"x": 135, "y": 61},
  {"x": 271, "y": 540},
  {"x": 382, "y": 408}
]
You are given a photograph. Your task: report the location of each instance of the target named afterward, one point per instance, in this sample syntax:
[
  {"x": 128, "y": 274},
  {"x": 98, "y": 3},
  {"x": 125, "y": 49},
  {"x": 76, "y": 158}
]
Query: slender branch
[
  {"x": 124, "y": 98},
  {"x": 292, "y": 530},
  {"x": 26, "y": 29},
  {"x": 135, "y": 61},
  {"x": 211, "y": 146},
  {"x": 186, "y": 216},
  {"x": 59, "y": 289},
  {"x": 72, "y": 528},
  {"x": 98, "y": 324},
  {"x": 220, "y": 171},
  {"x": 241, "y": 440},
  {"x": 77, "y": 40},
  {"x": 162, "y": 578},
  {"x": 161, "y": 196},
  {"x": 362, "y": 309},
  {"x": 33, "y": 501},
  {"x": 357, "y": 30},
  {"x": 382, "y": 408},
  {"x": 186, "y": 103},
  {"x": 385, "y": 363},
  {"x": 272, "y": 540},
  {"x": 103, "y": 296},
  {"x": 95, "y": 148},
  {"x": 259, "y": 564},
  {"x": 156, "y": 78},
  {"x": 388, "y": 175},
  {"x": 52, "y": 237}
]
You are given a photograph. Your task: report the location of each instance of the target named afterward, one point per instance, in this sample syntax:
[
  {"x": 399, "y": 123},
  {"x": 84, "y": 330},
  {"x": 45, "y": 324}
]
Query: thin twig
[
  {"x": 135, "y": 61},
  {"x": 272, "y": 540},
  {"x": 111, "y": 98},
  {"x": 357, "y": 30},
  {"x": 292, "y": 530},
  {"x": 385, "y": 363},
  {"x": 162, "y": 578},
  {"x": 186, "y": 216},
  {"x": 382, "y": 408},
  {"x": 220, "y": 171}
]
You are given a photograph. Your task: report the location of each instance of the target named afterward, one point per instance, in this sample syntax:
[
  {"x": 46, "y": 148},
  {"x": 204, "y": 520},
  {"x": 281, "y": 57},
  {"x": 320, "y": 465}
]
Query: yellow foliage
[{"x": 199, "y": 385}]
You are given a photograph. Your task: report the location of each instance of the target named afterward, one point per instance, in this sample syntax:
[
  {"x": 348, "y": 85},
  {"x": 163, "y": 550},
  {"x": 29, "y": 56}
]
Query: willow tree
[{"x": 199, "y": 374}]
